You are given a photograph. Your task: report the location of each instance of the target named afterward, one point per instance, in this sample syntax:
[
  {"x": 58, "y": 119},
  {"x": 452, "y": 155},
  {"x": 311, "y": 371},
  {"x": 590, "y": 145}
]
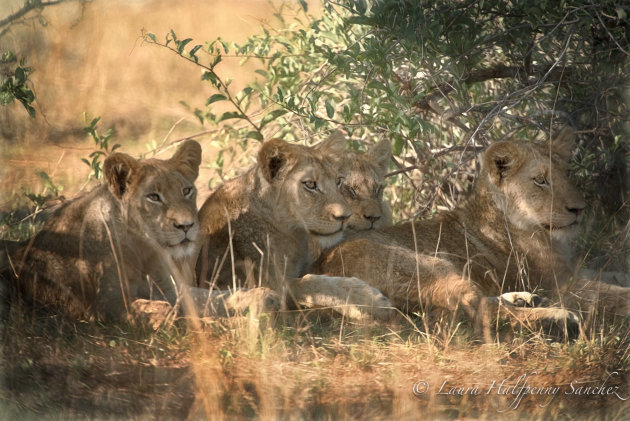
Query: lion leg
[
  {"x": 621, "y": 279},
  {"x": 349, "y": 296},
  {"x": 555, "y": 321},
  {"x": 519, "y": 308},
  {"x": 592, "y": 294}
]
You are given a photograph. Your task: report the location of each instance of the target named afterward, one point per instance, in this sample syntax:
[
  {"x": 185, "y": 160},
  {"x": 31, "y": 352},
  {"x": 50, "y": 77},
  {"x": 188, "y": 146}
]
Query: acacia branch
[
  {"x": 223, "y": 85},
  {"x": 499, "y": 71},
  {"x": 28, "y": 6}
]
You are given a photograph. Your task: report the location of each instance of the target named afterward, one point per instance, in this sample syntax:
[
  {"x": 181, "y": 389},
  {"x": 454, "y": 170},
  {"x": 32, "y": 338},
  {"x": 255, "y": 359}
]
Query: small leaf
[
  {"x": 195, "y": 49},
  {"x": 30, "y": 110},
  {"x": 182, "y": 44},
  {"x": 330, "y": 110},
  {"x": 361, "y": 6},
  {"x": 229, "y": 115},
  {"x": 151, "y": 37},
  {"x": 269, "y": 117},
  {"x": 254, "y": 135},
  {"x": 216, "y": 60},
  {"x": 214, "y": 98}
]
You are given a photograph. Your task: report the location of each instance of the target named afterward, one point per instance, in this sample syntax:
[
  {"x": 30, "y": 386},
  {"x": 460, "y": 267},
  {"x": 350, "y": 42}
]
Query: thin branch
[
  {"x": 224, "y": 87},
  {"x": 28, "y": 6}
]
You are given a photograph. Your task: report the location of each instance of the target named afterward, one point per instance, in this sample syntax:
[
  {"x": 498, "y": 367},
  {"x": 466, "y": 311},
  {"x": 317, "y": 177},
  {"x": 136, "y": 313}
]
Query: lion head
[
  {"x": 530, "y": 184},
  {"x": 158, "y": 197},
  {"x": 364, "y": 180},
  {"x": 305, "y": 186}
]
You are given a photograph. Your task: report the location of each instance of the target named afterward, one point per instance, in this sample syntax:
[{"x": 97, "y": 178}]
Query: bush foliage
[{"x": 441, "y": 80}]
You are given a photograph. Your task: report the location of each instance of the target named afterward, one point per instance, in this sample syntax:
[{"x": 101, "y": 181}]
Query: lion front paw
[
  {"x": 559, "y": 322},
  {"x": 366, "y": 298},
  {"x": 256, "y": 300},
  {"x": 524, "y": 299},
  {"x": 150, "y": 313}
]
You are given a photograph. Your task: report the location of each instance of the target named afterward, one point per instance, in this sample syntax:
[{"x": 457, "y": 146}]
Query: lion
[
  {"x": 133, "y": 238},
  {"x": 364, "y": 181},
  {"x": 512, "y": 234},
  {"x": 268, "y": 226}
]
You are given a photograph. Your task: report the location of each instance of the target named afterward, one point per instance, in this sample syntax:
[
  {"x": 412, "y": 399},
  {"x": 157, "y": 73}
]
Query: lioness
[
  {"x": 364, "y": 181},
  {"x": 512, "y": 233},
  {"x": 269, "y": 225},
  {"x": 134, "y": 237}
]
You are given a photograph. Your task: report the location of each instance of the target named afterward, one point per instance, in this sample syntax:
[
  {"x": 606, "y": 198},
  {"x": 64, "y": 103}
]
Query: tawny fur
[
  {"x": 513, "y": 233},
  {"x": 281, "y": 214},
  {"x": 99, "y": 252}
]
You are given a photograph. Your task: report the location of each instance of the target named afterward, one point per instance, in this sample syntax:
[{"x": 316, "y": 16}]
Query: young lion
[
  {"x": 363, "y": 185},
  {"x": 269, "y": 225},
  {"x": 134, "y": 237},
  {"x": 511, "y": 234}
]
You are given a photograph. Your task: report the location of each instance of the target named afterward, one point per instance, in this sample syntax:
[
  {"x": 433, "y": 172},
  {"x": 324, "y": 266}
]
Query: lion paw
[
  {"x": 256, "y": 300},
  {"x": 523, "y": 299},
  {"x": 561, "y": 323},
  {"x": 150, "y": 313},
  {"x": 361, "y": 296}
]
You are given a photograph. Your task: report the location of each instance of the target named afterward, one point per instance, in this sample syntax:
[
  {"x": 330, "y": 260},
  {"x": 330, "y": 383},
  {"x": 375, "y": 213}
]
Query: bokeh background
[{"x": 90, "y": 58}]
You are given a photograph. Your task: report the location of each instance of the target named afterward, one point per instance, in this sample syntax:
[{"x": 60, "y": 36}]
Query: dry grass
[
  {"x": 94, "y": 61},
  {"x": 296, "y": 366}
]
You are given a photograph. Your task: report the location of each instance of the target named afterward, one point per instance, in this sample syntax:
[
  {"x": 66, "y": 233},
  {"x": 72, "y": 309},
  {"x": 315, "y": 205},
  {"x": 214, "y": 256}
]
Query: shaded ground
[{"x": 299, "y": 368}]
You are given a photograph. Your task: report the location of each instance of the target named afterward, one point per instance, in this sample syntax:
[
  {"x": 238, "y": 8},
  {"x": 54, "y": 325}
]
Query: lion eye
[
  {"x": 541, "y": 181},
  {"x": 154, "y": 197},
  {"x": 310, "y": 185},
  {"x": 352, "y": 192},
  {"x": 187, "y": 191},
  {"x": 339, "y": 181}
]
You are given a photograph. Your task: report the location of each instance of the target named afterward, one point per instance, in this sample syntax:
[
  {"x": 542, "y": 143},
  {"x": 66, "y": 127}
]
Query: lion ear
[
  {"x": 118, "y": 170},
  {"x": 187, "y": 159},
  {"x": 273, "y": 157},
  {"x": 380, "y": 154},
  {"x": 564, "y": 143},
  {"x": 334, "y": 145},
  {"x": 501, "y": 160}
]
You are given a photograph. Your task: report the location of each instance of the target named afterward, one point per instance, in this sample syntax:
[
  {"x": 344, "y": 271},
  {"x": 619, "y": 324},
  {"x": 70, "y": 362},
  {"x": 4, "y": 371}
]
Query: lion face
[
  {"x": 533, "y": 187},
  {"x": 363, "y": 187},
  {"x": 307, "y": 187},
  {"x": 159, "y": 197}
]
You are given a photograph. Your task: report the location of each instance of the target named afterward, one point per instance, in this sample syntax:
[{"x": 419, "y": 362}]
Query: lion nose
[
  {"x": 184, "y": 227},
  {"x": 577, "y": 211},
  {"x": 339, "y": 212}
]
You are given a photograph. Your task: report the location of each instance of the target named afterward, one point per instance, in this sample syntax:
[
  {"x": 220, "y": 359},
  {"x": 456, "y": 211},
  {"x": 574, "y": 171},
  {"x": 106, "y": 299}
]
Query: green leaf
[
  {"x": 182, "y": 44},
  {"x": 216, "y": 60},
  {"x": 151, "y": 36},
  {"x": 230, "y": 115},
  {"x": 330, "y": 110},
  {"x": 216, "y": 97},
  {"x": 194, "y": 50},
  {"x": 254, "y": 135},
  {"x": 269, "y": 117},
  {"x": 361, "y": 6}
]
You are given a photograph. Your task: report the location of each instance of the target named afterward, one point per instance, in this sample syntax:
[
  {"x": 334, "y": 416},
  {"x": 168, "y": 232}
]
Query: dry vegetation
[{"x": 291, "y": 365}]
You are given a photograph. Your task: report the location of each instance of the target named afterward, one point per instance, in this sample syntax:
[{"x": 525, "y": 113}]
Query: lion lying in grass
[
  {"x": 268, "y": 226},
  {"x": 513, "y": 233},
  {"x": 133, "y": 238}
]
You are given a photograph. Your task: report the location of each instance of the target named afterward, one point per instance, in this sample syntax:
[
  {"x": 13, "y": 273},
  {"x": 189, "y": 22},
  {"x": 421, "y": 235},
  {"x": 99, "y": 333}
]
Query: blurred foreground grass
[{"x": 303, "y": 366}]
